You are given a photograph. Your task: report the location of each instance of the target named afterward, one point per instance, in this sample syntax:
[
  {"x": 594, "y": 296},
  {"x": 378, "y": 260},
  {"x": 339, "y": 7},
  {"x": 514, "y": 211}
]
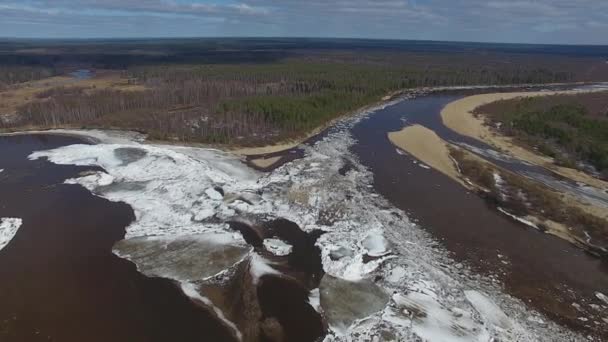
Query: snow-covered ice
[
  {"x": 602, "y": 297},
  {"x": 259, "y": 267},
  {"x": 375, "y": 244},
  {"x": 185, "y": 257},
  {"x": 191, "y": 291},
  {"x": 175, "y": 191},
  {"x": 518, "y": 219},
  {"x": 8, "y": 229},
  {"x": 277, "y": 247}
]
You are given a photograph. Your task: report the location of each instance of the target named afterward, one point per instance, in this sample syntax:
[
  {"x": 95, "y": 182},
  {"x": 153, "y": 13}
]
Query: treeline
[
  {"x": 254, "y": 103},
  {"x": 568, "y": 128},
  {"x": 18, "y": 74}
]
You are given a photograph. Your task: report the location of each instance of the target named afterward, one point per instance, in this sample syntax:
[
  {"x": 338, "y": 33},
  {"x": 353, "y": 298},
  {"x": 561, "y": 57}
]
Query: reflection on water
[{"x": 82, "y": 74}]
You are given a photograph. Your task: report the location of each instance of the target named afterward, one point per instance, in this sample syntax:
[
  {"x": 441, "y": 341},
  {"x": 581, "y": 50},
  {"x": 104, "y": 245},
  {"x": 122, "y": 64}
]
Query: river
[
  {"x": 60, "y": 281},
  {"x": 545, "y": 271}
]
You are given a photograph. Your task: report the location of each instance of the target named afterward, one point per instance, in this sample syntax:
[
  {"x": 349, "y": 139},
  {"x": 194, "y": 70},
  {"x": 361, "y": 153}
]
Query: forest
[
  {"x": 573, "y": 129},
  {"x": 251, "y": 92},
  {"x": 10, "y": 75}
]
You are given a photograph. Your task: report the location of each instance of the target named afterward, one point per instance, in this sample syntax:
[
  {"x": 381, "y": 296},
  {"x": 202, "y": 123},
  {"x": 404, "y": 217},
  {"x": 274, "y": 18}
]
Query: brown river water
[{"x": 59, "y": 280}]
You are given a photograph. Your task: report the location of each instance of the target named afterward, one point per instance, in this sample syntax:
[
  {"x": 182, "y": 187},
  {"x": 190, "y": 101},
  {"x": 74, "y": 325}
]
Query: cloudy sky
[{"x": 527, "y": 21}]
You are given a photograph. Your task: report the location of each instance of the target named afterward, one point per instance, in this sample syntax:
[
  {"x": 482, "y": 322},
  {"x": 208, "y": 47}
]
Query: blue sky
[{"x": 532, "y": 21}]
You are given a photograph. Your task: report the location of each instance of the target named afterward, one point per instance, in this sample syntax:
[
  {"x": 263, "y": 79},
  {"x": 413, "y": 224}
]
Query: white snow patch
[
  {"x": 214, "y": 194},
  {"x": 536, "y": 319},
  {"x": 259, "y": 267},
  {"x": 432, "y": 321},
  {"x": 277, "y": 247},
  {"x": 517, "y": 218},
  {"x": 396, "y": 275},
  {"x": 602, "y": 297},
  {"x": 375, "y": 244},
  {"x": 353, "y": 269},
  {"x": 494, "y": 318},
  {"x": 500, "y": 184},
  {"x": 397, "y": 317},
  {"x": 8, "y": 229},
  {"x": 170, "y": 192},
  {"x": 191, "y": 291},
  {"x": 314, "y": 299}
]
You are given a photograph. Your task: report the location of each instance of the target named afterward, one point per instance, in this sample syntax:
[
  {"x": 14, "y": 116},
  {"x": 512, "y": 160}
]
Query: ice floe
[
  {"x": 186, "y": 257},
  {"x": 8, "y": 229},
  {"x": 344, "y": 302},
  {"x": 191, "y": 291},
  {"x": 602, "y": 297},
  {"x": 259, "y": 267},
  {"x": 170, "y": 192},
  {"x": 277, "y": 247}
]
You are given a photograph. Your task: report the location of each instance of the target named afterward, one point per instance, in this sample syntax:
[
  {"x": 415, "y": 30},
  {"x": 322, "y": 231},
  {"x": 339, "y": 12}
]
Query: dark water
[
  {"x": 82, "y": 74},
  {"x": 545, "y": 271},
  {"x": 59, "y": 280}
]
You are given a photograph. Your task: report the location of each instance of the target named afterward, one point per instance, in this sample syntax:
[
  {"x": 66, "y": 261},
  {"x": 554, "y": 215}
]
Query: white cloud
[{"x": 568, "y": 21}]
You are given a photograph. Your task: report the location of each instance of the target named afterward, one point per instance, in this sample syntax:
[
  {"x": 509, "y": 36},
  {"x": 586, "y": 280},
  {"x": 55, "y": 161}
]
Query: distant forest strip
[
  {"x": 251, "y": 92},
  {"x": 569, "y": 128},
  {"x": 250, "y": 103},
  {"x": 10, "y": 75}
]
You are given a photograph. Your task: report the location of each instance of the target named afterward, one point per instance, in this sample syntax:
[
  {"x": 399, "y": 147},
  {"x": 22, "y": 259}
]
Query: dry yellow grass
[
  {"x": 253, "y": 151},
  {"x": 265, "y": 162},
  {"x": 20, "y": 94}
]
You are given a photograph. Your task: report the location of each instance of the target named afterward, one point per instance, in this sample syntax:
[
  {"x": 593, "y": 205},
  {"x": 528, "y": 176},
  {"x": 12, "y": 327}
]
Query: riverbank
[
  {"x": 506, "y": 190},
  {"x": 548, "y": 273},
  {"x": 426, "y": 146},
  {"x": 561, "y": 213},
  {"x": 459, "y": 116},
  {"x": 261, "y": 158}
]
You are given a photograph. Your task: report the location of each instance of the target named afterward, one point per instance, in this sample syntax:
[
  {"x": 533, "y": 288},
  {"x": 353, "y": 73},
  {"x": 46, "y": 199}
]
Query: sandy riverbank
[
  {"x": 459, "y": 117},
  {"x": 426, "y": 146},
  {"x": 264, "y": 163}
]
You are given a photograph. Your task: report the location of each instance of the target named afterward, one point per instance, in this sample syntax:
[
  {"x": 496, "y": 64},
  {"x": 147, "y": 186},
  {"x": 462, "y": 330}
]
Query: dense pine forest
[{"x": 253, "y": 92}]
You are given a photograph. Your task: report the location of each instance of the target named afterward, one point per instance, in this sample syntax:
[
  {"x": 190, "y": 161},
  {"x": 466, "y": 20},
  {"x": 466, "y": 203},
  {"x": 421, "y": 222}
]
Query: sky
[{"x": 516, "y": 21}]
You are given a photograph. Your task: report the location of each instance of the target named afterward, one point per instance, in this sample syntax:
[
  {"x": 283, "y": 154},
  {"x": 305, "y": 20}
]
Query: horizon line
[{"x": 8, "y": 38}]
